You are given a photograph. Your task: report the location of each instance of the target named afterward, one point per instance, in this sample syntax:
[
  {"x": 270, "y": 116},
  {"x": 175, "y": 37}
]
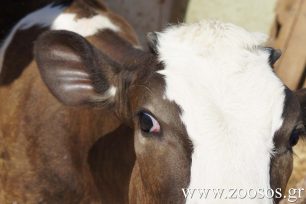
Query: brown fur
[
  {"x": 45, "y": 145},
  {"x": 282, "y": 161},
  {"x": 94, "y": 151}
]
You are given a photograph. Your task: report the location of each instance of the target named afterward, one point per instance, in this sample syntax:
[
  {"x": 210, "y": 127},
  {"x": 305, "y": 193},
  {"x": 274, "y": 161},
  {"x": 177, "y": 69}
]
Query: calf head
[{"x": 206, "y": 108}]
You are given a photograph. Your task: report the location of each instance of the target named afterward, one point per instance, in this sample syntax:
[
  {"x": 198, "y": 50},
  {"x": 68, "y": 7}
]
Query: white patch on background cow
[
  {"x": 54, "y": 17},
  {"x": 83, "y": 26},
  {"x": 42, "y": 18},
  {"x": 231, "y": 102}
]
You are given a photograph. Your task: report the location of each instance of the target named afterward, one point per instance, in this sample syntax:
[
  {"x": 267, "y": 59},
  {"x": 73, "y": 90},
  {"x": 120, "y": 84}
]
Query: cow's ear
[
  {"x": 152, "y": 39},
  {"x": 274, "y": 55},
  {"x": 301, "y": 94},
  {"x": 74, "y": 71}
]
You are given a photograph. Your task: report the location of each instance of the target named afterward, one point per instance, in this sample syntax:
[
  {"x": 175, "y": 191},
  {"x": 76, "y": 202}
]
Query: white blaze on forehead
[
  {"x": 231, "y": 102},
  {"x": 54, "y": 17}
]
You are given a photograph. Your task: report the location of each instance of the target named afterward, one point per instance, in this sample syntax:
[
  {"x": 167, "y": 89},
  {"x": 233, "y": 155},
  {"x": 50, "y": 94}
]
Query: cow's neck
[{"x": 52, "y": 139}]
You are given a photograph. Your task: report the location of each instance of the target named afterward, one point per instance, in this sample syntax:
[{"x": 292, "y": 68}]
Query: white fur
[
  {"x": 112, "y": 91},
  {"x": 231, "y": 102},
  {"x": 83, "y": 26},
  {"x": 54, "y": 17}
]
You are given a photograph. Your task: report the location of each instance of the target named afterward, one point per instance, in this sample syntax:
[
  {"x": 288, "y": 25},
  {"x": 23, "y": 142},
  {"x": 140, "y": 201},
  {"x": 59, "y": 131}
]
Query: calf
[{"x": 93, "y": 119}]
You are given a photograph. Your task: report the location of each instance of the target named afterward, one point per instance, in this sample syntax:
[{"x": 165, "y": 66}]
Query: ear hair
[
  {"x": 274, "y": 54},
  {"x": 152, "y": 39}
]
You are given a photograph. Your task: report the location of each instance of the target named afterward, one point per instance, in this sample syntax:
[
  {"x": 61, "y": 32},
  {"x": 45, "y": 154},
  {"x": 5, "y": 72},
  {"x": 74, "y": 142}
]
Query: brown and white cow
[{"x": 93, "y": 119}]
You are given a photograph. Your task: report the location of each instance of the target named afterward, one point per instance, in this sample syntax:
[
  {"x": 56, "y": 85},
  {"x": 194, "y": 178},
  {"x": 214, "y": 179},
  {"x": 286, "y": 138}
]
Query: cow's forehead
[
  {"x": 230, "y": 98},
  {"x": 221, "y": 66}
]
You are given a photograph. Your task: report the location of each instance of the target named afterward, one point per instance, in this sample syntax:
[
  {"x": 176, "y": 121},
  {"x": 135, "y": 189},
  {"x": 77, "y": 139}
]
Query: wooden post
[{"x": 289, "y": 34}]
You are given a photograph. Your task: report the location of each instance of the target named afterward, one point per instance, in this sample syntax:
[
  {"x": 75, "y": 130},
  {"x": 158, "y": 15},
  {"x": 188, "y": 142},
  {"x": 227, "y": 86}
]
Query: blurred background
[{"x": 283, "y": 20}]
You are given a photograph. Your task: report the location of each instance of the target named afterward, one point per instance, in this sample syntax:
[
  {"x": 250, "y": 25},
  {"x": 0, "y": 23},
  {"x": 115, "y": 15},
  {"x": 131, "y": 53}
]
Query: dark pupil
[
  {"x": 294, "y": 138},
  {"x": 145, "y": 121}
]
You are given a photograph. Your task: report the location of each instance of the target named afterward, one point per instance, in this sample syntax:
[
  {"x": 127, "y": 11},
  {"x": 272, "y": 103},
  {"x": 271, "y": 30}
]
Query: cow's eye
[
  {"x": 148, "y": 123},
  {"x": 294, "y": 138},
  {"x": 295, "y": 134}
]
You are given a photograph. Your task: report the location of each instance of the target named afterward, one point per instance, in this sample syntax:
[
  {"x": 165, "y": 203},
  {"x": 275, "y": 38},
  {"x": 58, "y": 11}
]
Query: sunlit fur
[{"x": 231, "y": 103}]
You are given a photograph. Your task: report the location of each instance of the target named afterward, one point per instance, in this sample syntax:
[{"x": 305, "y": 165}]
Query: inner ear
[
  {"x": 152, "y": 39},
  {"x": 74, "y": 71},
  {"x": 274, "y": 55}
]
